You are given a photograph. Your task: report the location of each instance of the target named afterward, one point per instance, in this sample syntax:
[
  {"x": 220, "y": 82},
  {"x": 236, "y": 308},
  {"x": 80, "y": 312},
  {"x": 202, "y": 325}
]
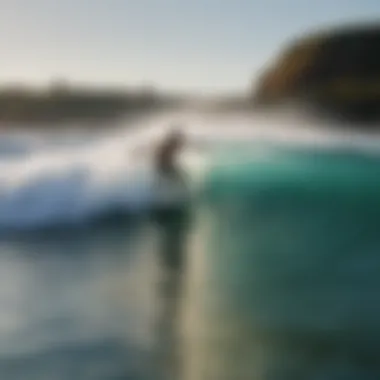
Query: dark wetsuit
[{"x": 165, "y": 163}]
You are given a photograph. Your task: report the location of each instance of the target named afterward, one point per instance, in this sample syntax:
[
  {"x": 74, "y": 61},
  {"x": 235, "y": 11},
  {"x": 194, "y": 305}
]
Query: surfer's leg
[
  {"x": 176, "y": 175},
  {"x": 167, "y": 171}
]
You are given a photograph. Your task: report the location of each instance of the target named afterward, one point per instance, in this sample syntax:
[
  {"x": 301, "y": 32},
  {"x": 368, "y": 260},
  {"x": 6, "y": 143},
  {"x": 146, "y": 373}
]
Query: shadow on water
[{"x": 173, "y": 228}]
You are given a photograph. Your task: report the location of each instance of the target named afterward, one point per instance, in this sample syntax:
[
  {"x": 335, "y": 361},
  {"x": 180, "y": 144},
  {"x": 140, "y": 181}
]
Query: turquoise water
[{"x": 289, "y": 255}]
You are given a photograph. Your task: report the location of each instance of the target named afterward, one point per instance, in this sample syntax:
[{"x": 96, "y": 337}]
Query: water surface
[{"x": 245, "y": 285}]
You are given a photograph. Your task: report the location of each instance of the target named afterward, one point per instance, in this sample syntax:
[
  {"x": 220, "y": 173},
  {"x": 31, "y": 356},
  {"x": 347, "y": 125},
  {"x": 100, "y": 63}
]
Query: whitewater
[{"x": 73, "y": 178}]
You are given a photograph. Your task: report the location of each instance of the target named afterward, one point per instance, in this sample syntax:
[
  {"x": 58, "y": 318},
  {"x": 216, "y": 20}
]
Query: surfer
[{"x": 165, "y": 157}]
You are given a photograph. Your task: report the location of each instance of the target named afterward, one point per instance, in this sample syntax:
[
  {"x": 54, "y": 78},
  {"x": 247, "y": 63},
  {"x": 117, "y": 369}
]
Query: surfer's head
[{"x": 168, "y": 149}]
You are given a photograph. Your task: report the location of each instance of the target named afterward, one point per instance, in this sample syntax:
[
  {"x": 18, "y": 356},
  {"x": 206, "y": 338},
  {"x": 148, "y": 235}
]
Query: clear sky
[{"x": 197, "y": 45}]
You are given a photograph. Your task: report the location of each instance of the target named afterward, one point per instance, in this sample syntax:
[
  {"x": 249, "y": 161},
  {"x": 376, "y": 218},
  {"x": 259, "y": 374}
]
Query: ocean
[{"x": 269, "y": 273}]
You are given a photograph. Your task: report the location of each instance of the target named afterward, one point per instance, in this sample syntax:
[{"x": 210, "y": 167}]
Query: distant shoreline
[{"x": 58, "y": 106}]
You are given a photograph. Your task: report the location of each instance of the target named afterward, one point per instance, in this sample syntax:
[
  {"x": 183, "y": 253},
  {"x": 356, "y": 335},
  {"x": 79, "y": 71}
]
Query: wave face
[
  {"x": 283, "y": 270},
  {"x": 48, "y": 179}
]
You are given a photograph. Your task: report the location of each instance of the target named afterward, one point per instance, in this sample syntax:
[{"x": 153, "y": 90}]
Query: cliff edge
[{"x": 336, "y": 71}]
